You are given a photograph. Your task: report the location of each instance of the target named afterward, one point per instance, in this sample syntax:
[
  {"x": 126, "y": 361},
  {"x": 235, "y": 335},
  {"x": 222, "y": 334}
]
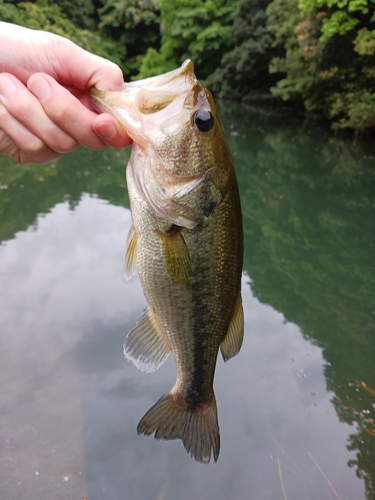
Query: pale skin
[{"x": 45, "y": 109}]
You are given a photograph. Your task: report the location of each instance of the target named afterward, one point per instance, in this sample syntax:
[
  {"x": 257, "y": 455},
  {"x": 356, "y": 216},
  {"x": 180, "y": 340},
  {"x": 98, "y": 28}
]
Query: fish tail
[{"x": 198, "y": 429}]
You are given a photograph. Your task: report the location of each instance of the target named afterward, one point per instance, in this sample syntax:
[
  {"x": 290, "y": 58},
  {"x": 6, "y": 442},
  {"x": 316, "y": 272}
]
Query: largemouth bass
[{"x": 187, "y": 242}]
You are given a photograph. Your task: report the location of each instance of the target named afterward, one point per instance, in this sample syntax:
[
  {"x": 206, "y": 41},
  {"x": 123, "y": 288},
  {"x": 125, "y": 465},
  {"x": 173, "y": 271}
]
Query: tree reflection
[
  {"x": 26, "y": 191},
  {"x": 308, "y": 202}
]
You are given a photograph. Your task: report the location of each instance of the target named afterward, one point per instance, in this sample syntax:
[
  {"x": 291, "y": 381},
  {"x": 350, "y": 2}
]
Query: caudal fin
[{"x": 198, "y": 429}]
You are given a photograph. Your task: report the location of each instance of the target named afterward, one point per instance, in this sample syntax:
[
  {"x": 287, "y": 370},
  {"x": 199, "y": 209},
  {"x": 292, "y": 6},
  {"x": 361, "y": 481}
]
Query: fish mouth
[
  {"x": 139, "y": 106},
  {"x": 149, "y": 95},
  {"x": 180, "y": 77}
]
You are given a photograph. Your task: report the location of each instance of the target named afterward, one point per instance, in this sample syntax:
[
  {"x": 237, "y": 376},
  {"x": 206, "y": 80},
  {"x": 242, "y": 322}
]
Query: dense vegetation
[{"x": 314, "y": 55}]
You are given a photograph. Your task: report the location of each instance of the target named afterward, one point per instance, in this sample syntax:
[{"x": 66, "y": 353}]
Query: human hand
[{"x": 45, "y": 110}]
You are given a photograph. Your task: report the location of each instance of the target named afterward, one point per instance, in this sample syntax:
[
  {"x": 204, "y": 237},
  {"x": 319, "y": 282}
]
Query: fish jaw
[
  {"x": 141, "y": 106},
  {"x": 160, "y": 82}
]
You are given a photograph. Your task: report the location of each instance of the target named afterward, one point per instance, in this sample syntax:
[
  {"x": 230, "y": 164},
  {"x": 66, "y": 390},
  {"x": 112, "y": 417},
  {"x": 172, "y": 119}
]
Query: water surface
[{"x": 296, "y": 420}]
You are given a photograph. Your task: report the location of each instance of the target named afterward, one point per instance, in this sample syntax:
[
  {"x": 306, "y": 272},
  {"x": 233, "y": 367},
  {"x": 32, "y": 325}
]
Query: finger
[
  {"x": 29, "y": 51},
  {"x": 111, "y": 132},
  {"x": 65, "y": 110},
  {"x": 34, "y": 151},
  {"x": 27, "y": 110},
  {"x": 84, "y": 70}
]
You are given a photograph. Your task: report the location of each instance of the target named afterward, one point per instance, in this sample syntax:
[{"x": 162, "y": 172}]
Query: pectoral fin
[
  {"x": 176, "y": 255},
  {"x": 145, "y": 346},
  {"x": 232, "y": 342},
  {"x": 184, "y": 216},
  {"x": 130, "y": 254}
]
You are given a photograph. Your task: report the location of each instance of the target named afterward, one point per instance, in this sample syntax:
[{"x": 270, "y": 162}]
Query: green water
[{"x": 296, "y": 421}]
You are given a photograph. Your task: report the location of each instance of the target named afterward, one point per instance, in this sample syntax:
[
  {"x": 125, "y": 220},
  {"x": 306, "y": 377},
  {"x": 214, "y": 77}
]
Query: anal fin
[
  {"x": 145, "y": 346},
  {"x": 130, "y": 253},
  {"x": 232, "y": 342}
]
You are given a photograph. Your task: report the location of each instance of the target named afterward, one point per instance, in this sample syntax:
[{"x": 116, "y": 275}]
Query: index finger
[{"x": 68, "y": 113}]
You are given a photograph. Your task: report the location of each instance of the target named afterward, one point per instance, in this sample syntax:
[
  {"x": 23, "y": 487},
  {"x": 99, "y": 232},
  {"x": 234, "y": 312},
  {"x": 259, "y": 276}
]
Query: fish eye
[{"x": 203, "y": 120}]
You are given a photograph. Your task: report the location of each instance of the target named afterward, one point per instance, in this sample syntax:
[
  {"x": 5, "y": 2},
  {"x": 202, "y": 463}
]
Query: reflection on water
[{"x": 295, "y": 420}]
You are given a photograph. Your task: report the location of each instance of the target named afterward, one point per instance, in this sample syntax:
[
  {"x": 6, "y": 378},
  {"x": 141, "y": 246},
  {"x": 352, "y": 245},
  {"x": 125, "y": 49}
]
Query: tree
[
  {"x": 243, "y": 71},
  {"x": 134, "y": 26},
  {"x": 82, "y": 13},
  {"x": 329, "y": 73},
  {"x": 340, "y": 17},
  {"x": 196, "y": 29}
]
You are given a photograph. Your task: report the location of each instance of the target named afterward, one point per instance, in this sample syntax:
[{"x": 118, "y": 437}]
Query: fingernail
[
  {"x": 7, "y": 86},
  {"x": 107, "y": 130},
  {"x": 40, "y": 88}
]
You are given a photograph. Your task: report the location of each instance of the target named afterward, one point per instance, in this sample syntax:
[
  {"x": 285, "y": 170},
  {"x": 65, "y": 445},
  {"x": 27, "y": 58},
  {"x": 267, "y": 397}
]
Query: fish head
[{"x": 181, "y": 162}]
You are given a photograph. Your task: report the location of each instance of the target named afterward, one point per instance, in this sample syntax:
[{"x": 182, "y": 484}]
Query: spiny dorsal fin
[
  {"x": 176, "y": 255},
  {"x": 145, "y": 346},
  {"x": 130, "y": 253},
  {"x": 232, "y": 342},
  {"x": 198, "y": 429}
]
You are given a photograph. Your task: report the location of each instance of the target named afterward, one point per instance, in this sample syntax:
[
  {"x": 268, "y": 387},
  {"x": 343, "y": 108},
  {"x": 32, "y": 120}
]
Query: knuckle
[
  {"x": 34, "y": 147},
  {"x": 19, "y": 105},
  {"x": 4, "y": 114},
  {"x": 67, "y": 147},
  {"x": 87, "y": 138},
  {"x": 97, "y": 146},
  {"x": 59, "y": 141},
  {"x": 61, "y": 115}
]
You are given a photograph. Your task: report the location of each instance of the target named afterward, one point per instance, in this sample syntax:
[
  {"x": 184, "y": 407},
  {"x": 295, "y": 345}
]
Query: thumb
[{"x": 82, "y": 69}]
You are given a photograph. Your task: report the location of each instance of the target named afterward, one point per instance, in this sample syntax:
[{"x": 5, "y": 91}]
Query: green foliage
[
  {"x": 155, "y": 63},
  {"x": 354, "y": 110},
  {"x": 8, "y": 12},
  {"x": 134, "y": 26},
  {"x": 243, "y": 71},
  {"x": 330, "y": 74},
  {"x": 298, "y": 35},
  {"x": 41, "y": 15},
  {"x": 81, "y": 13},
  {"x": 129, "y": 13},
  {"x": 341, "y": 15},
  {"x": 195, "y": 29},
  {"x": 364, "y": 43},
  {"x": 49, "y": 17}
]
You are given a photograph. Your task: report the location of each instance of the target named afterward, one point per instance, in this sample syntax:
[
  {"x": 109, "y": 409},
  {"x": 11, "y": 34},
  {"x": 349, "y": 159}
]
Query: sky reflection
[{"x": 70, "y": 402}]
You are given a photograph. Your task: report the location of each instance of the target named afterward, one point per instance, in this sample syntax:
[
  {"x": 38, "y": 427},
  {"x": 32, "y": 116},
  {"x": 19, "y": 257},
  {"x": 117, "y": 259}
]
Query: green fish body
[{"x": 187, "y": 242}]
